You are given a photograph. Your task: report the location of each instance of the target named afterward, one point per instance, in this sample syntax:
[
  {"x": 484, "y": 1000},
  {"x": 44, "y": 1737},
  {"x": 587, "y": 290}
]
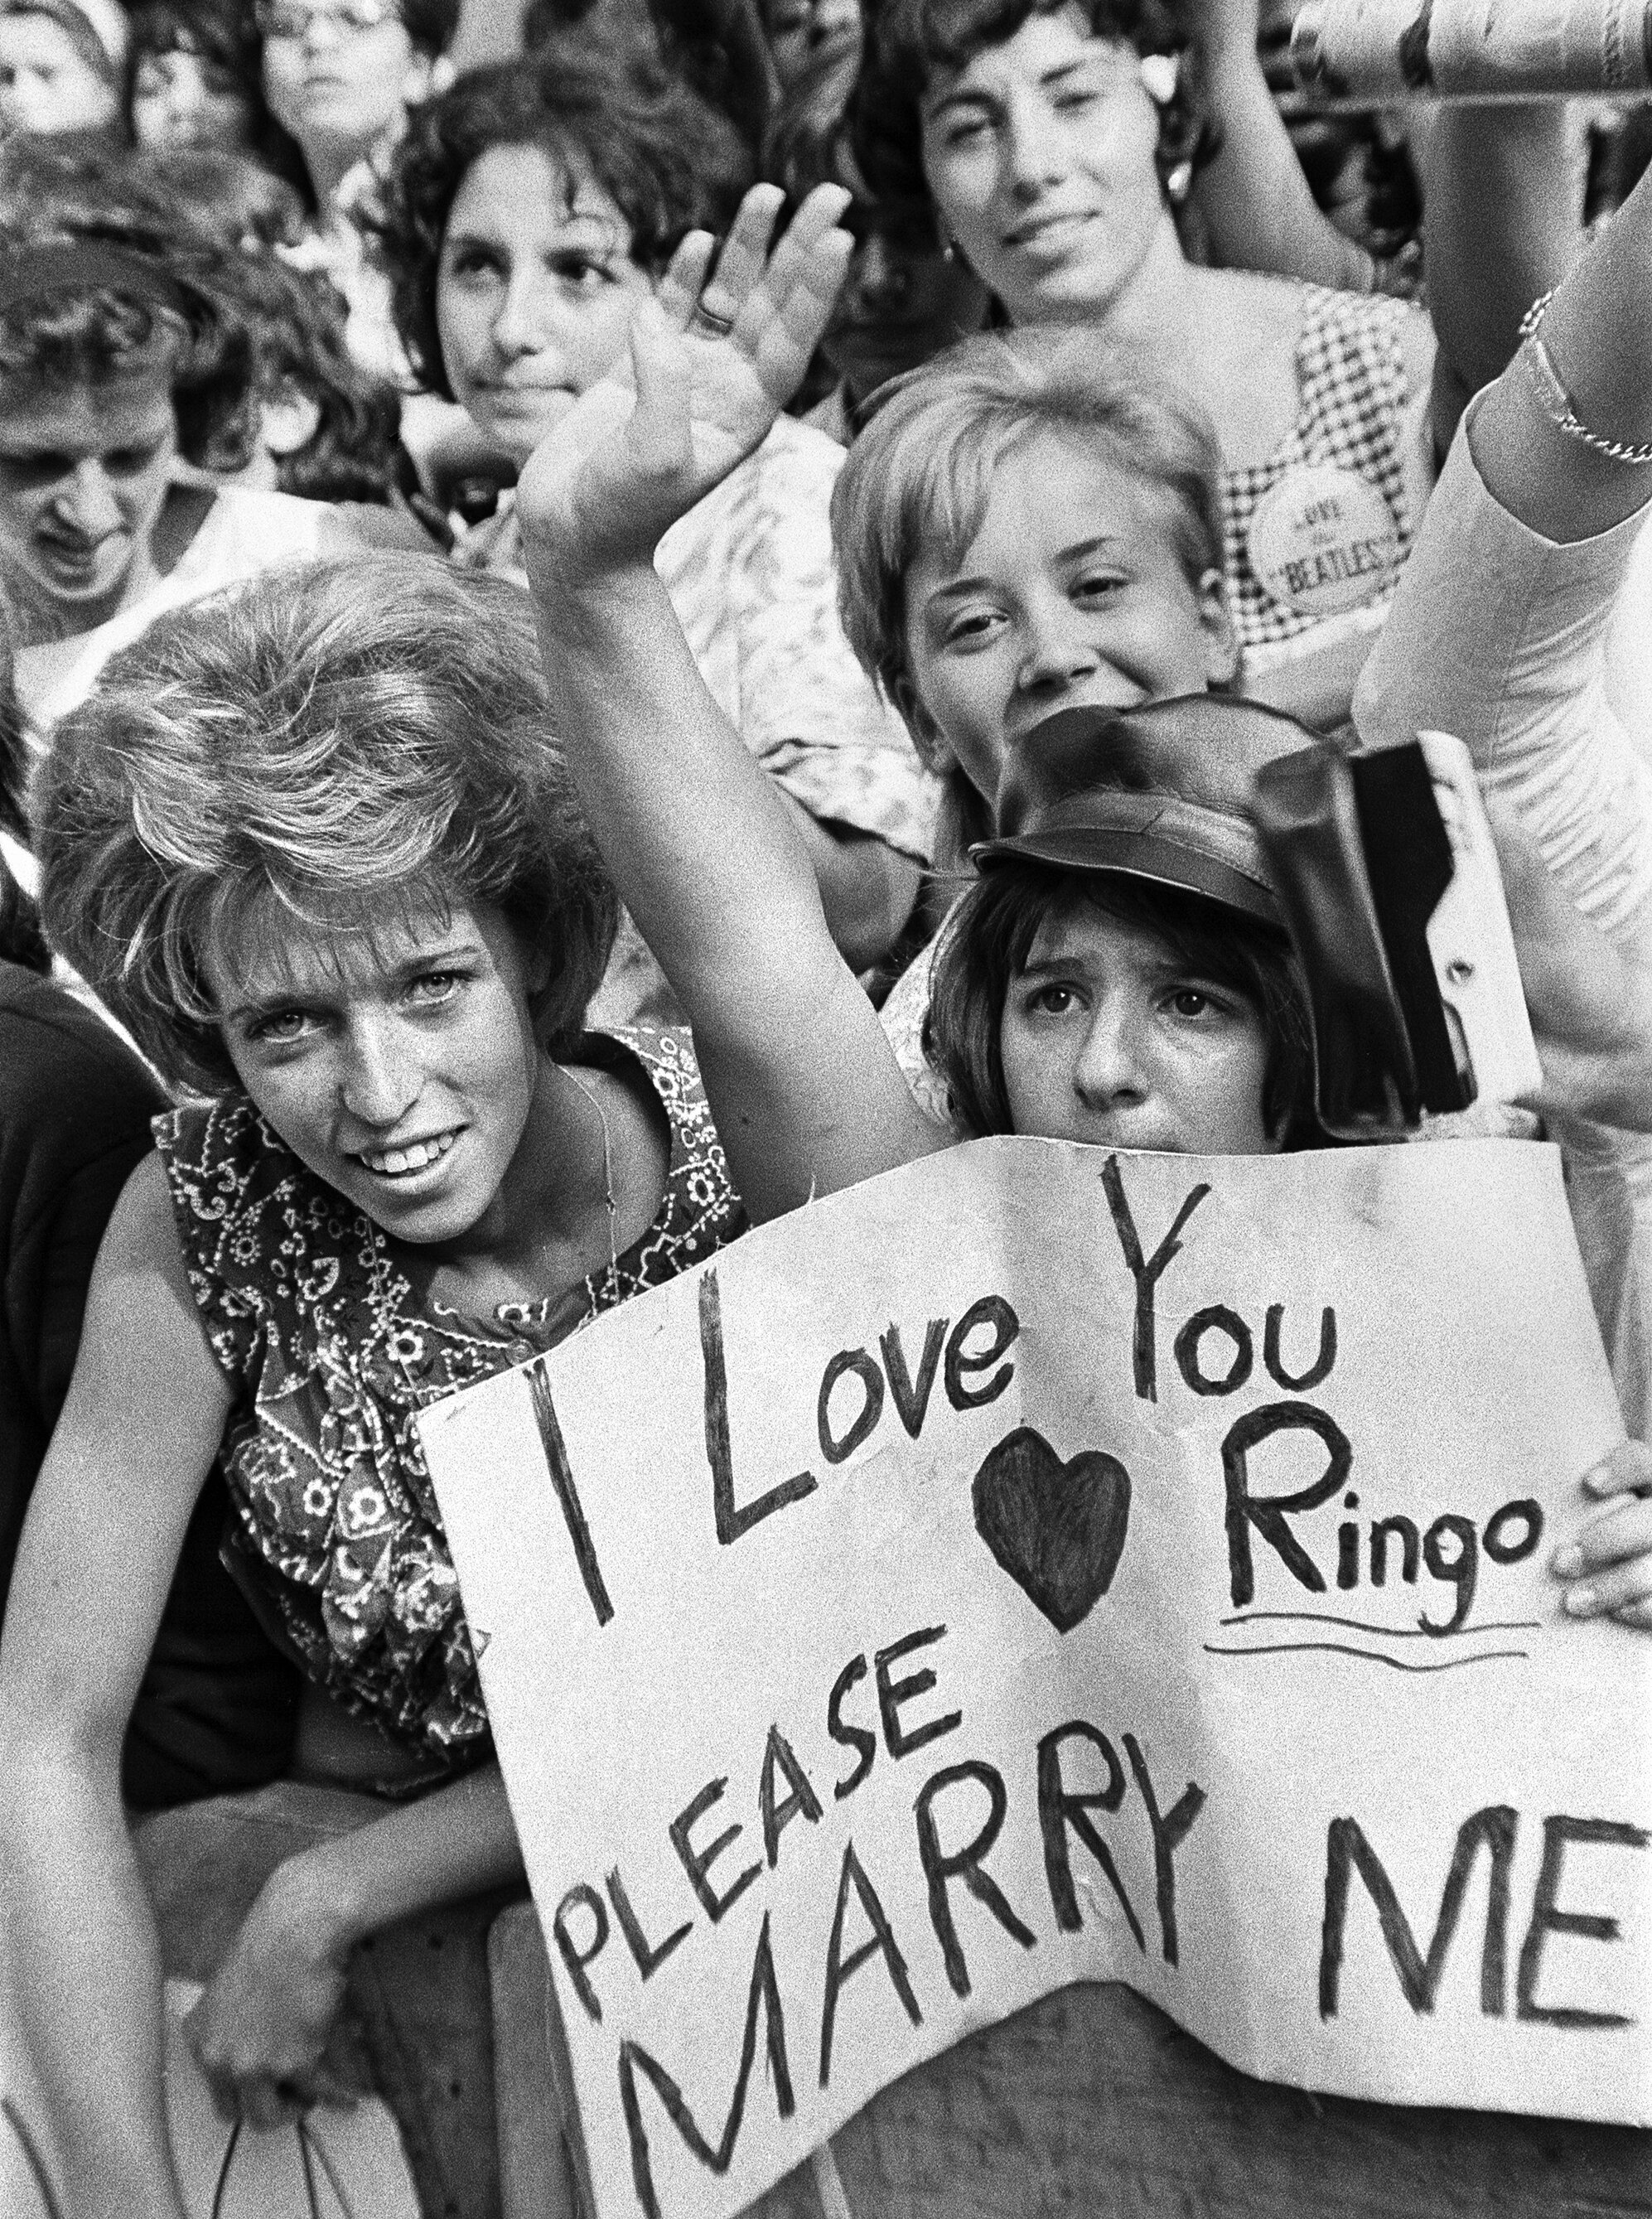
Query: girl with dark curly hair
[{"x": 530, "y": 210}]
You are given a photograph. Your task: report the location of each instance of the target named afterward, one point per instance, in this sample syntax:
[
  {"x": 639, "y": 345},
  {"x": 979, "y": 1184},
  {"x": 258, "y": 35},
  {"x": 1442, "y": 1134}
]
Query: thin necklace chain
[{"x": 608, "y": 1181}]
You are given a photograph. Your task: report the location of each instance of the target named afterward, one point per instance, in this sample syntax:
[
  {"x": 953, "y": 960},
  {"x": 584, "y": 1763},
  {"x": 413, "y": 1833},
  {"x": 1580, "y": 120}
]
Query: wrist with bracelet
[{"x": 1557, "y": 402}]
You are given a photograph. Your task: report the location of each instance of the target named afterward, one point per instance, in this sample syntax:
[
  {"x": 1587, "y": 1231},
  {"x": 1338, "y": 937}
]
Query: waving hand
[{"x": 711, "y": 364}]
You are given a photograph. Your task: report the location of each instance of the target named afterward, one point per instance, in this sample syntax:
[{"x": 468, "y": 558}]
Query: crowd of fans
[{"x": 364, "y": 424}]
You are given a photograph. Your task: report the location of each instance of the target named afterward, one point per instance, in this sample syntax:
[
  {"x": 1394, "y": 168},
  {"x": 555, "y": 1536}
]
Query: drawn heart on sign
[{"x": 1058, "y": 1529}]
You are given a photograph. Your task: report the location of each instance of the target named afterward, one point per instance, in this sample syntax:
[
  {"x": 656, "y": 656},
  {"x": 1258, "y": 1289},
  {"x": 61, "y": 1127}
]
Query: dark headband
[{"x": 34, "y": 273}]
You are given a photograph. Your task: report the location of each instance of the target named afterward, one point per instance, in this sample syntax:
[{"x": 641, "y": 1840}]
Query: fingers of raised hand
[
  {"x": 802, "y": 311},
  {"x": 744, "y": 263},
  {"x": 782, "y": 320},
  {"x": 790, "y": 286},
  {"x": 684, "y": 279},
  {"x": 810, "y": 259},
  {"x": 657, "y": 432}
]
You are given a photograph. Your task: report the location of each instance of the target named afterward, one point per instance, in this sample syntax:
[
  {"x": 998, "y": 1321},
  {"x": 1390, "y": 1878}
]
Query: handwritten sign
[{"x": 1041, "y": 1565}]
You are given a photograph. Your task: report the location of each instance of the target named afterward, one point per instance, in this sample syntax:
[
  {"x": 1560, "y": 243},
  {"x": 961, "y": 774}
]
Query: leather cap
[{"x": 1161, "y": 792}]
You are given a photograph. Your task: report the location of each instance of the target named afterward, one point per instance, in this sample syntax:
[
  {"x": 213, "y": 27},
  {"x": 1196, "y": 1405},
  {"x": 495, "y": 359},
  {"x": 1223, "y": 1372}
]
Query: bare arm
[
  {"x": 1494, "y": 644},
  {"x": 141, "y": 1425},
  {"x": 1597, "y": 333},
  {"x": 807, "y": 1095},
  {"x": 261, "y": 2030},
  {"x": 1502, "y": 222},
  {"x": 1252, "y": 194},
  {"x": 1502, "y": 207}
]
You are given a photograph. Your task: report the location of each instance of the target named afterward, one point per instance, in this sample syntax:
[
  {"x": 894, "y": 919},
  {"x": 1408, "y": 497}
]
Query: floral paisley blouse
[{"x": 331, "y": 1353}]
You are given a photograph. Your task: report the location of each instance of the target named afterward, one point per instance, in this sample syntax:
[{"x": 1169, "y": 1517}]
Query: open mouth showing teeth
[{"x": 399, "y": 1163}]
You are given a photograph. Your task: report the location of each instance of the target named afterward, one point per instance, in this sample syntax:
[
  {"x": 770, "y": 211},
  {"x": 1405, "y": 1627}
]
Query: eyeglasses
[{"x": 291, "y": 19}]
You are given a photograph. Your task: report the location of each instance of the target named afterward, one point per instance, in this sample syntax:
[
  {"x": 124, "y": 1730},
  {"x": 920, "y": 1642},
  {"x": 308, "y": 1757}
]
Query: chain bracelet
[{"x": 1557, "y": 403}]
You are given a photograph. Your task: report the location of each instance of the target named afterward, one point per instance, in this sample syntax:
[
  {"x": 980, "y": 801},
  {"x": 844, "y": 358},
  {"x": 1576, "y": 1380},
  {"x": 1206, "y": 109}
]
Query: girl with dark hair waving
[{"x": 530, "y": 210}]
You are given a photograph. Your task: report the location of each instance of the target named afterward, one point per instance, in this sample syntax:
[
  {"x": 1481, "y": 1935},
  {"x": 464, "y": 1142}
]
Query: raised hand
[{"x": 711, "y": 364}]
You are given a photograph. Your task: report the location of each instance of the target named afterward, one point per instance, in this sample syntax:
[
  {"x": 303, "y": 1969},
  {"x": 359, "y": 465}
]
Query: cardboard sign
[{"x": 1042, "y": 1566}]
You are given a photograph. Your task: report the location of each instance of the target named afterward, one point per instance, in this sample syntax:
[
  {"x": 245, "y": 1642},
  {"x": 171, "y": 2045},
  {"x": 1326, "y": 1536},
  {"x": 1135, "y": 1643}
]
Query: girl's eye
[
  {"x": 970, "y": 627},
  {"x": 1075, "y": 97},
  {"x": 964, "y": 128},
  {"x": 474, "y": 262},
  {"x": 431, "y": 988},
  {"x": 1053, "y": 999},
  {"x": 280, "y": 1028},
  {"x": 1098, "y": 585},
  {"x": 1193, "y": 1001},
  {"x": 586, "y": 273}
]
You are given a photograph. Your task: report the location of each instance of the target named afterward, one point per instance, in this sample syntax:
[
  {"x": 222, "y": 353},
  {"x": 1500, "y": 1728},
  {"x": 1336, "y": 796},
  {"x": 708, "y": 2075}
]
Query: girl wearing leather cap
[{"x": 1120, "y": 972}]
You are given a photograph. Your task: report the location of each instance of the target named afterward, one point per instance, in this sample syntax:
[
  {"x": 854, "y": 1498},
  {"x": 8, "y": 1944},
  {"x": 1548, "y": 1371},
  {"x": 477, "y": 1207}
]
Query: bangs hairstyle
[
  {"x": 332, "y": 740},
  {"x": 194, "y": 341},
  {"x": 990, "y": 936},
  {"x": 670, "y": 162},
  {"x": 911, "y": 42},
  {"x": 217, "y": 31},
  {"x": 919, "y": 476}
]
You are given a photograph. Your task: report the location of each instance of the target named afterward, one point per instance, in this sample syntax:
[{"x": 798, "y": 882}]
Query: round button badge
[{"x": 1323, "y": 540}]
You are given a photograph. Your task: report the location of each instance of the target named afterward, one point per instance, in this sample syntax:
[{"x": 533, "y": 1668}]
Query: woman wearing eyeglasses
[{"x": 339, "y": 77}]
